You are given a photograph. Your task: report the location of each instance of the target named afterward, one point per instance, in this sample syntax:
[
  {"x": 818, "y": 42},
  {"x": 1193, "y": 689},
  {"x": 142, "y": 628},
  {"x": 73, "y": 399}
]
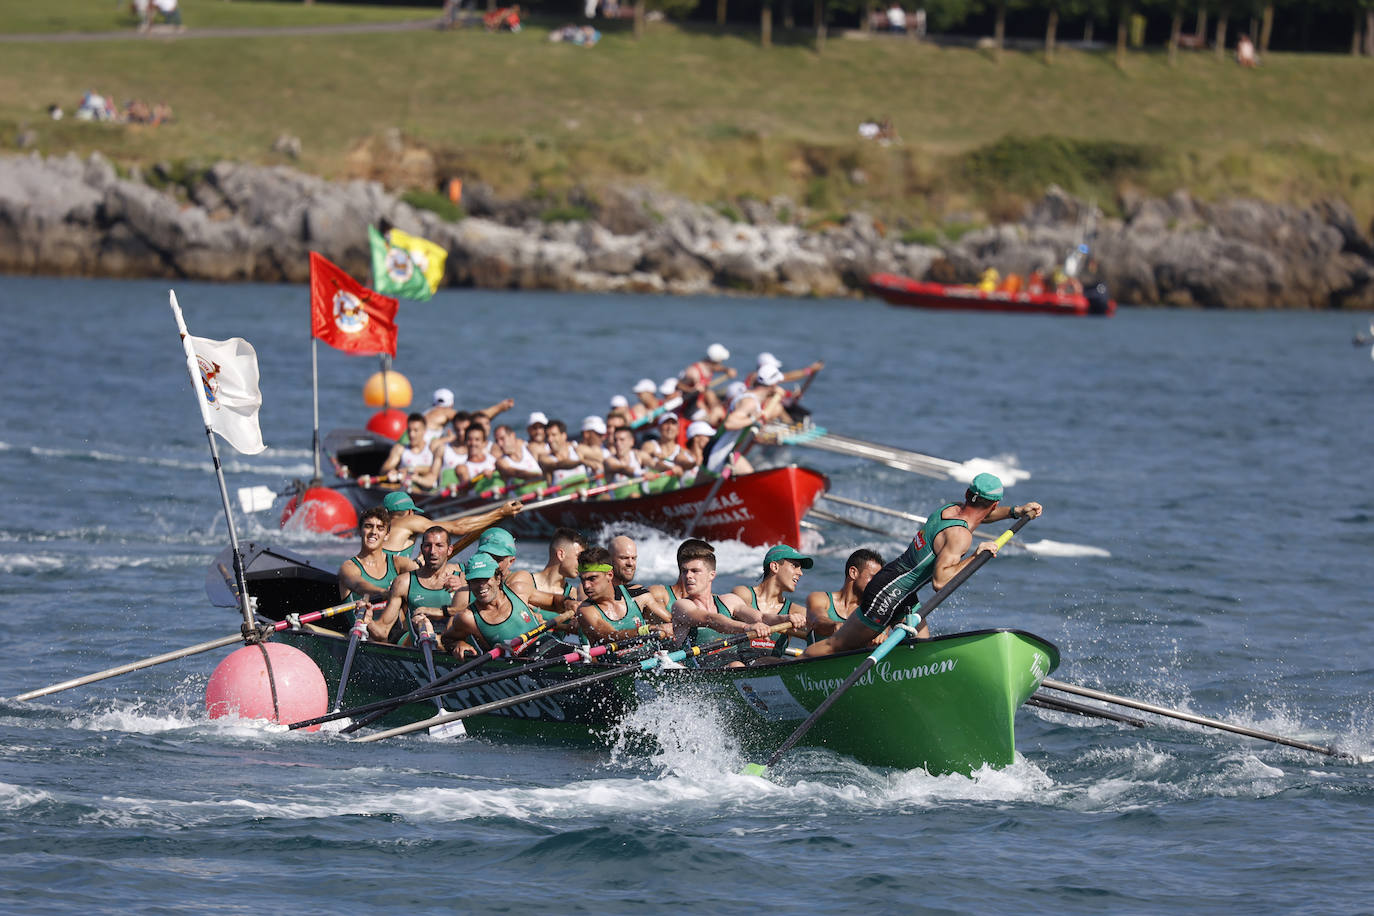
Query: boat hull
[
  {"x": 898, "y": 290},
  {"x": 946, "y": 705},
  {"x": 759, "y": 509}
]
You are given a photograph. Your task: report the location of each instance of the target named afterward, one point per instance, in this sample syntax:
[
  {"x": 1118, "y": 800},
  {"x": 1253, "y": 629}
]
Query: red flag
[{"x": 347, "y": 315}]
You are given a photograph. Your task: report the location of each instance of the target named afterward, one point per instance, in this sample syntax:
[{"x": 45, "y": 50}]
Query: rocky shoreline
[{"x": 235, "y": 222}]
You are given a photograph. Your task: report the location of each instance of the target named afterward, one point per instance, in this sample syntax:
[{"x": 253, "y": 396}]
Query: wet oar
[
  {"x": 183, "y": 653},
  {"x": 1043, "y": 701},
  {"x": 1201, "y": 720},
  {"x": 884, "y": 510},
  {"x": 647, "y": 664},
  {"x": 426, "y": 693},
  {"x": 895, "y": 636},
  {"x": 356, "y": 634},
  {"x": 382, "y": 707}
]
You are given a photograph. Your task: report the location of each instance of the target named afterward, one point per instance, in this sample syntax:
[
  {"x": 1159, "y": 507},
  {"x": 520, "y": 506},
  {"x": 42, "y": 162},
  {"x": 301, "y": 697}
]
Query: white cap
[
  {"x": 538, "y": 418},
  {"x": 700, "y": 428},
  {"x": 768, "y": 359},
  {"x": 668, "y": 387},
  {"x": 619, "y": 401},
  {"x": 717, "y": 353},
  {"x": 594, "y": 424},
  {"x": 443, "y": 397},
  {"x": 770, "y": 375},
  {"x": 666, "y": 416},
  {"x": 645, "y": 384},
  {"x": 734, "y": 390}
]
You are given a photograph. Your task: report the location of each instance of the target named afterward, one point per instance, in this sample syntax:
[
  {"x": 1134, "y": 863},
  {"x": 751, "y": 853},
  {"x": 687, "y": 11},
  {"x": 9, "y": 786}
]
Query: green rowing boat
[{"x": 946, "y": 705}]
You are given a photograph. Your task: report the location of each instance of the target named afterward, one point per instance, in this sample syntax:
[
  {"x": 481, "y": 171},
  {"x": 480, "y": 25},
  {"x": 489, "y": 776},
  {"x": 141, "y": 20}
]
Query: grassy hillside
[{"x": 707, "y": 114}]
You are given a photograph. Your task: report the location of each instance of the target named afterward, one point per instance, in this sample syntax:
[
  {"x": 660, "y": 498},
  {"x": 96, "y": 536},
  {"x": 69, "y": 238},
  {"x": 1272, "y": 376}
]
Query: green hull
[{"x": 947, "y": 705}]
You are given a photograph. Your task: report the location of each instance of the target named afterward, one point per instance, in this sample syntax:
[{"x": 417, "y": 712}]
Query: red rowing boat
[
  {"x": 762, "y": 508},
  {"x": 898, "y": 290}
]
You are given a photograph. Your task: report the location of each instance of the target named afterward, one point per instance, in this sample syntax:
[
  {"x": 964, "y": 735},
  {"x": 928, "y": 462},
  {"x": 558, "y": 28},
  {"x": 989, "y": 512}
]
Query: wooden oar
[
  {"x": 183, "y": 653},
  {"x": 1043, "y": 701},
  {"x": 742, "y": 443},
  {"x": 1201, "y": 720},
  {"x": 647, "y": 664},
  {"x": 901, "y": 459},
  {"x": 895, "y": 636},
  {"x": 385, "y": 706}
]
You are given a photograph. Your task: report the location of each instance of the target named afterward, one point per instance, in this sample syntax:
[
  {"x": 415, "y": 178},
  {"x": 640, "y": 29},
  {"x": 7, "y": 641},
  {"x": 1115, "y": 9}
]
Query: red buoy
[
  {"x": 389, "y": 423},
  {"x": 323, "y": 510},
  {"x": 241, "y": 686}
]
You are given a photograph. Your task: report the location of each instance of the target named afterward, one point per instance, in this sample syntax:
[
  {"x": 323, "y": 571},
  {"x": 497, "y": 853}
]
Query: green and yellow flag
[
  {"x": 394, "y": 272},
  {"x": 426, "y": 255}
]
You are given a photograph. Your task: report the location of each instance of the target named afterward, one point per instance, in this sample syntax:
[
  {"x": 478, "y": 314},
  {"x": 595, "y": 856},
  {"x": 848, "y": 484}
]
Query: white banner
[{"x": 229, "y": 385}]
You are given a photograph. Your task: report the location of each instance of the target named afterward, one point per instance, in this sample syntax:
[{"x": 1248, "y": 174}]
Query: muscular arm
[
  {"x": 468, "y": 529},
  {"x": 949, "y": 546},
  {"x": 496, "y": 409},
  {"x": 818, "y": 614},
  {"x": 687, "y": 614},
  {"x": 379, "y": 628},
  {"x": 393, "y": 459}
]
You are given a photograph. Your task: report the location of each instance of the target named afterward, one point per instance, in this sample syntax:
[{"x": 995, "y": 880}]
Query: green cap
[
  {"x": 399, "y": 502},
  {"x": 986, "y": 486},
  {"x": 783, "y": 552},
  {"x": 497, "y": 542},
  {"x": 480, "y": 566}
]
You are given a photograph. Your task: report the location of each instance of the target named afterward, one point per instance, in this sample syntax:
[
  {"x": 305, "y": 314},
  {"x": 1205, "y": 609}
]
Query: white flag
[{"x": 229, "y": 384}]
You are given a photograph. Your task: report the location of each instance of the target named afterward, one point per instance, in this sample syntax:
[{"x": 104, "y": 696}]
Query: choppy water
[{"x": 1207, "y": 544}]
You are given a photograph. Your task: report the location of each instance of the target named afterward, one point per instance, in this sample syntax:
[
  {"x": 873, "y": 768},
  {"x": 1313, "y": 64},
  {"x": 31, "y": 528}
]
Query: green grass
[
  {"x": 31, "y": 16},
  {"x": 710, "y": 115}
]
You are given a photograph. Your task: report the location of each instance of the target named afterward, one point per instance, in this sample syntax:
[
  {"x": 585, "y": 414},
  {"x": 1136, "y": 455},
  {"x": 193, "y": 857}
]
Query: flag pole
[
  {"x": 250, "y": 630},
  {"x": 315, "y": 400}
]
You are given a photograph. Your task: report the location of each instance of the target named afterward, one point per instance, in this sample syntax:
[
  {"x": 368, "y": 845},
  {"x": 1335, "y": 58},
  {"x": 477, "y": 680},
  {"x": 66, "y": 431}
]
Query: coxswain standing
[{"x": 936, "y": 555}]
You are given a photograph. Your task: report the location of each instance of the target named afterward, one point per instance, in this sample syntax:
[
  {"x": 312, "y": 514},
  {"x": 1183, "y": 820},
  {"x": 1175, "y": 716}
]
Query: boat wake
[
  {"x": 1004, "y": 466},
  {"x": 1048, "y": 548}
]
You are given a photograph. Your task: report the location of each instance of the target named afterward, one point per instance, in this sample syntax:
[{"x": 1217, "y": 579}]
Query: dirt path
[{"x": 168, "y": 33}]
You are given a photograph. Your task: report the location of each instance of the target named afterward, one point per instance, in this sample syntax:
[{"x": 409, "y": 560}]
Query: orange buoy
[
  {"x": 323, "y": 510},
  {"x": 395, "y": 390},
  {"x": 389, "y": 423},
  {"x": 241, "y": 686}
]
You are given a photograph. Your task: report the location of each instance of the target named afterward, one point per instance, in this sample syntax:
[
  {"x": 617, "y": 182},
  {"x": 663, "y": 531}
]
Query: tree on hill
[{"x": 1060, "y": 9}]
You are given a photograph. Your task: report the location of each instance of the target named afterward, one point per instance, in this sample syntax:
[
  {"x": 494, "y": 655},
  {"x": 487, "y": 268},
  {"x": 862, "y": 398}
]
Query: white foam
[
  {"x": 1048, "y": 548},
  {"x": 1004, "y": 466},
  {"x": 15, "y": 798}
]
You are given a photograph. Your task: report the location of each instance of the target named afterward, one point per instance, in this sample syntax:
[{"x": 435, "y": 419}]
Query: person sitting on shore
[
  {"x": 826, "y": 611},
  {"x": 504, "y": 18},
  {"x": 608, "y": 611}
]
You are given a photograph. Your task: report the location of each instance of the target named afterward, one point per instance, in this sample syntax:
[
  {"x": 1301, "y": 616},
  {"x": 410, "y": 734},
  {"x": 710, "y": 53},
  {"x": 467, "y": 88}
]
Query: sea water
[{"x": 1206, "y": 545}]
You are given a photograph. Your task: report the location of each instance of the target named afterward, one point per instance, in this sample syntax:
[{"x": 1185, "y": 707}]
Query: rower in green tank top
[
  {"x": 702, "y": 617},
  {"x": 427, "y": 590},
  {"x": 823, "y": 609},
  {"x": 935, "y": 556},
  {"x": 610, "y": 611},
  {"x": 369, "y": 573},
  {"x": 496, "y": 612}
]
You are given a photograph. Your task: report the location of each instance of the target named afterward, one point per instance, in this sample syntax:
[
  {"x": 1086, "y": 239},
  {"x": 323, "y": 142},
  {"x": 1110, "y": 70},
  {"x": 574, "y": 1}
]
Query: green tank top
[
  {"x": 633, "y": 618},
  {"x": 384, "y": 582},
  {"x": 520, "y": 621},
  {"x": 919, "y": 558},
  {"x": 699, "y": 636},
  {"x": 830, "y": 612},
  {"x": 783, "y": 639},
  {"x": 418, "y": 596}
]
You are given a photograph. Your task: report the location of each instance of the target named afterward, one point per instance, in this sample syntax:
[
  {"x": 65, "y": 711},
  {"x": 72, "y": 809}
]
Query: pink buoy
[
  {"x": 322, "y": 510},
  {"x": 388, "y": 423},
  {"x": 241, "y": 687}
]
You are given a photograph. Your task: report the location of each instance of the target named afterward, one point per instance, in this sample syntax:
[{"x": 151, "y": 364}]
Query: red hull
[
  {"x": 899, "y": 290},
  {"x": 760, "y": 509}
]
